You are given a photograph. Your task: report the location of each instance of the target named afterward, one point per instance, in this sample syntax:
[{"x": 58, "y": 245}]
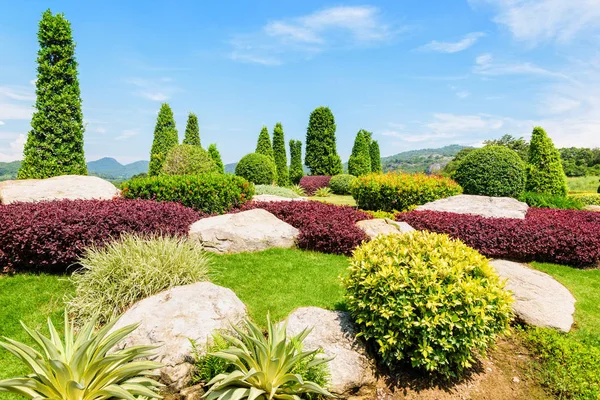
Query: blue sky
[{"x": 416, "y": 73}]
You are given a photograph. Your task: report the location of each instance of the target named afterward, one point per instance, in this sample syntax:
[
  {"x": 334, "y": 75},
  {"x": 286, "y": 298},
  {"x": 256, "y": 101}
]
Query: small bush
[
  {"x": 394, "y": 191},
  {"x": 382, "y": 214},
  {"x": 542, "y": 200},
  {"x": 340, "y": 184},
  {"x": 187, "y": 159},
  {"x": 207, "y": 365},
  {"x": 257, "y": 168},
  {"x": 492, "y": 171},
  {"x": 212, "y": 193},
  {"x": 323, "y": 192},
  {"x": 427, "y": 300},
  {"x": 310, "y": 184},
  {"x": 586, "y": 199},
  {"x": 115, "y": 276},
  {"x": 299, "y": 190},
  {"x": 276, "y": 191},
  {"x": 545, "y": 172}
]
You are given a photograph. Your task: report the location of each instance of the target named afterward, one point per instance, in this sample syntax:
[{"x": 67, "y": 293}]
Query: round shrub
[
  {"x": 115, "y": 276},
  {"x": 492, "y": 171},
  {"x": 340, "y": 184},
  {"x": 187, "y": 159},
  {"x": 426, "y": 299},
  {"x": 257, "y": 168}
]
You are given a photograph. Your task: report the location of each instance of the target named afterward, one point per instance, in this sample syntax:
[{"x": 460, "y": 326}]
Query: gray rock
[
  {"x": 433, "y": 169},
  {"x": 592, "y": 208},
  {"x": 253, "y": 230},
  {"x": 491, "y": 207},
  {"x": 380, "y": 226},
  {"x": 171, "y": 318},
  {"x": 73, "y": 187},
  {"x": 273, "y": 198},
  {"x": 540, "y": 300},
  {"x": 334, "y": 331}
]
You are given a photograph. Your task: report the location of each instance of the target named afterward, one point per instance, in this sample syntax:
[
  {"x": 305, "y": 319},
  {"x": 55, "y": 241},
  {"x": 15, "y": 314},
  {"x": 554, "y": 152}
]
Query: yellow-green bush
[
  {"x": 425, "y": 299},
  {"x": 587, "y": 199}
]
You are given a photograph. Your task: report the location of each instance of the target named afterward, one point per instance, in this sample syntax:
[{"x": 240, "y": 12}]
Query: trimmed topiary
[
  {"x": 340, "y": 184},
  {"x": 545, "y": 172},
  {"x": 492, "y": 171},
  {"x": 283, "y": 176},
  {"x": 321, "y": 154},
  {"x": 427, "y": 300},
  {"x": 192, "y": 131},
  {"x": 187, "y": 159},
  {"x": 360, "y": 160},
  {"x": 257, "y": 168},
  {"x": 165, "y": 138},
  {"x": 375, "y": 157},
  {"x": 213, "y": 152},
  {"x": 263, "y": 146},
  {"x": 296, "y": 170}
]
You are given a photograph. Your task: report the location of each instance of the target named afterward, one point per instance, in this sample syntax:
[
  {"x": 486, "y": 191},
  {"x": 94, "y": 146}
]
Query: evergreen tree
[
  {"x": 165, "y": 138},
  {"x": 264, "y": 143},
  {"x": 192, "y": 131},
  {"x": 213, "y": 152},
  {"x": 296, "y": 171},
  {"x": 360, "y": 159},
  {"x": 321, "y": 154},
  {"x": 283, "y": 176},
  {"x": 55, "y": 143},
  {"x": 375, "y": 157},
  {"x": 545, "y": 173}
]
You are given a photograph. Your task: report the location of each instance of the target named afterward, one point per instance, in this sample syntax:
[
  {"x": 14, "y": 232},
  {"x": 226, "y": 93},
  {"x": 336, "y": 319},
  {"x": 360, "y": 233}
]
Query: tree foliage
[
  {"x": 257, "y": 168},
  {"x": 375, "y": 157},
  {"x": 520, "y": 145},
  {"x": 360, "y": 160},
  {"x": 321, "y": 154},
  {"x": 283, "y": 176},
  {"x": 296, "y": 170},
  {"x": 264, "y": 144},
  {"x": 213, "y": 152},
  {"x": 545, "y": 173},
  {"x": 55, "y": 143},
  {"x": 188, "y": 159},
  {"x": 192, "y": 131},
  {"x": 165, "y": 138}
]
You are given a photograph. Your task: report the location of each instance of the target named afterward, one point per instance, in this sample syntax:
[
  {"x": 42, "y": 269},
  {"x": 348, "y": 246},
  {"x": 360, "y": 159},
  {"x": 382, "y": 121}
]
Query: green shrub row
[
  {"x": 340, "y": 184},
  {"x": 586, "y": 199},
  {"x": 542, "y": 200}
]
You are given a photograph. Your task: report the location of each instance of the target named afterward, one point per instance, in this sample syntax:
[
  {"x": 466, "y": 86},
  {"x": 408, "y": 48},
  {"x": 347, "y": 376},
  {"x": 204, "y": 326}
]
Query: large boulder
[
  {"x": 72, "y": 187},
  {"x": 335, "y": 333},
  {"x": 252, "y": 230},
  {"x": 491, "y": 207},
  {"x": 539, "y": 299},
  {"x": 383, "y": 226},
  {"x": 173, "y": 317}
]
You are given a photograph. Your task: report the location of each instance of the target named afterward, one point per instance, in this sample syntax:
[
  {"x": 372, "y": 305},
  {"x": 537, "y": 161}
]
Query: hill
[{"x": 420, "y": 160}]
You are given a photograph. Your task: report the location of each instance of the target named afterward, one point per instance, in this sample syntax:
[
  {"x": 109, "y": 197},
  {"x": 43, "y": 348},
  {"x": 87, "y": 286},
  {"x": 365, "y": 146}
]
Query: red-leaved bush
[
  {"x": 547, "y": 235},
  {"x": 311, "y": 184},
  {"x": 323, "y": 227},
  {"x": 49, "y": 236}
]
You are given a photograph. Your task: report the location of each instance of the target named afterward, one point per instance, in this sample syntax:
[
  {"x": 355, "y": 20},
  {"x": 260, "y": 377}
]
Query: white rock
[
  {"x": 540, "y": 300},
  {"x": 253, "y": 230},
  {"x": 73, "y": 187},
  {"x": 171, "y": 318},
  {"x": 334, "y": 331},
  {"x": 273, "y": 198},
  {"x": 380, "y": 226},
  {"x": 491, "y": 207},
  {"x": 592, "y": 208}
]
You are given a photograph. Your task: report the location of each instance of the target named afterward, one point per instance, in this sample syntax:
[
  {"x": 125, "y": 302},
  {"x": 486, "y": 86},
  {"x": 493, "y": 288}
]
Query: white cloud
[
  {"x": 462, "y": 94},
  {"x": 1, "y": 122},
  {"x": 17, "y": 93},
  {"x": 415, "y": 138},
  {"x": 154, "y": 89},
  {"x": 452, "y": 123},
  {"x": 15, "y": 150},
  {"x": 15, "y": 111},
  {"x": 453, "y": 47},
  {"x": 557, "y": 104},
  {"x": 128, "y": 133},
  {"x": 99, "y": 130},
  {"x": 485, "y": 65}
]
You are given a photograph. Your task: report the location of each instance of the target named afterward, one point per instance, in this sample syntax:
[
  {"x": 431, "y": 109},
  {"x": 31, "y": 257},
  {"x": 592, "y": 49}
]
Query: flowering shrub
[
  {"x": 560, "y": 236},
  {"x": 310, "y": 184},
  {"x": 395, "y": 191},
  {"x": 50, "y": 236},
  {"x": 323, "y": 227}
]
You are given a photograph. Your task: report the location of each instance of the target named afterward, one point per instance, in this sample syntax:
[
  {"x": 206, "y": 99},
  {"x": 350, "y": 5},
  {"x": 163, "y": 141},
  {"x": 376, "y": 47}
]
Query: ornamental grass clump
[{"x": 427, "y": 300}]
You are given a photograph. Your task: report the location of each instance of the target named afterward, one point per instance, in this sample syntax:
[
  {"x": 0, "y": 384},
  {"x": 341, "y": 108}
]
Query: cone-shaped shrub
[
  {"x": 321, "y": 154},
  {"x": 213, "y": 152},
  {"x": 264, "y": 144},
  {"x": 360, "y": 160},
  {"x": 545, "y": 173},
  {"x": 296, "y": 170},
  {"x": 375, "y": 157},
  {"x": 165, "y": 138},
  {"x": 55, "y": 143},
  {"x": 283, "y": 176},
  {"x": 192, "y": 131}
]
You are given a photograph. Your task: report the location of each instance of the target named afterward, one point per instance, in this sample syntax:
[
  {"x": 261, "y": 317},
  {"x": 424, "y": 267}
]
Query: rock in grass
[
  {"x": 253, "y": 230},
  {"x": 380, "y": 226},
  {"x": 540, "y": 300},
  {"x": 271, "y": 197},
  {"x": 491, "y": 207}
]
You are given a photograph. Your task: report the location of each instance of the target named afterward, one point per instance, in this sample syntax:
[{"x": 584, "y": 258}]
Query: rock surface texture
[
  {"x": 173, "y": 317},
  {"x": 491, "y": 207},
  {"x": 540, "y": 300},
  {"x": 380, "y": 226},
  {"x": 253, "y": 230},
  {"x": 272, "y": 197},
  {"x": 592, "y": 208},
  {"x": 334, "y": 331},
  {"x": 72, "y": 187}
]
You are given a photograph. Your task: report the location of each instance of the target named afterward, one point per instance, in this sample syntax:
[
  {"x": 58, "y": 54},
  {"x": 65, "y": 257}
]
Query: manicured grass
[
  {"x": 340, "y": 200},
  {"x": 583, "y": 183},
  {"x": 280, "y": 280}
]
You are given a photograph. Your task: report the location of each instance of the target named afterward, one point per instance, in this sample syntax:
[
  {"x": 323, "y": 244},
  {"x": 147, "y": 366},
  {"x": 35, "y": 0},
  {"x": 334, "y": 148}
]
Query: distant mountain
[
  {"x": 420, "y": 160},
  {"x": 230, "y": 168},
  {"x": 111, "y": 169},
  {"x": 8, "y": 170}
]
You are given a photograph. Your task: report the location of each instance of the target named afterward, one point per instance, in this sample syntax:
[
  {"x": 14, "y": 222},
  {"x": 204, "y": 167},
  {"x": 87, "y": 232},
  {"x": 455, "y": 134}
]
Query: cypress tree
[
  {"x": 165, "y": 138},
  {"x": 283, "y": 176},
  {"x": 264, "y": 143},
  {"x": 192, "y": 131},
  {"x": 55, "y": 143},
  {"x": 213, "y": 152},
  {"x": 545, "y": 172},
  {"x": 375, "y": 157},
  {"x": 321, "y": 154},
  {"x": 296, "y": 171},
  {"x": 360, "y": 159}
]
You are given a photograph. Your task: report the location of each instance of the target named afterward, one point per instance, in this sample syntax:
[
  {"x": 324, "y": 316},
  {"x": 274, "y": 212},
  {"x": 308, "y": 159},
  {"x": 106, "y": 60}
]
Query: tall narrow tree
[
  {"x": 360, "y": 159},
  {"x": 375, "y": 157},
  {"x": 55, "y": 143},
  {"x": 545, "y": 172},
  {"x": 192, "y": 131},
  {"x": 263, "y": 146},
  {"x": 296, "y": 170},
  {"x": 321, "y": 154},
  {"x": 283, "y": 176},
  {"x": 213, "y": 152},
  {"x": 165, "y": 138}
]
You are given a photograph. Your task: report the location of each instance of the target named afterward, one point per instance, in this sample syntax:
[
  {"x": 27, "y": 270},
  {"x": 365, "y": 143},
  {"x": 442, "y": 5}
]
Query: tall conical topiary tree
[
  {"x": 192, "y": 131},
  {"x": 360, "y": 159},
  {"x": 296, "y": 170},
  {"x": 375, "y": 157},
  {"x": 545, "y": 173},
  {"x": 213, "y": 152},
  {"x": 264, "y": 143},
  {"x": 321, "y": 154},
  {"x": 165, "y": 138},
  {"x": 55, "y": 143},
  {"x": 283, "y": 176}
]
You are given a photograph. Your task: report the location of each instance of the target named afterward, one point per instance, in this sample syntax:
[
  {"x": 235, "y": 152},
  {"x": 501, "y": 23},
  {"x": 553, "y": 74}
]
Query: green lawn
[
  {"x": 583, "y": 183},
  {"x": 338, "y": 199}
]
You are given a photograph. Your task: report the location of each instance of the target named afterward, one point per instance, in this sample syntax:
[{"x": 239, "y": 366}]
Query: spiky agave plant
[
  {"x": 264, "y": 366},
  {"x": 81, "y": 367}
]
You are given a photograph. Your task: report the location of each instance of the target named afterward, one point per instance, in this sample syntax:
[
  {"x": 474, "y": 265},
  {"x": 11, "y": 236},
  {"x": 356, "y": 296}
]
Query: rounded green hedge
[
  {"x": 257, "y": 168},
  {"x": 340, "y": 184},
  {"x": 492, "y": 171},
  {"x": 187, "y": 159}
]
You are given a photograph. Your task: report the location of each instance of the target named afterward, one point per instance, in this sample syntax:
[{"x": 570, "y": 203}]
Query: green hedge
[
  {"x": 542, "y": 200},
  {"x": 340, "y": 184},
  {"x": 257, "y": 168},
  {"x": 587, "y": 199}
]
